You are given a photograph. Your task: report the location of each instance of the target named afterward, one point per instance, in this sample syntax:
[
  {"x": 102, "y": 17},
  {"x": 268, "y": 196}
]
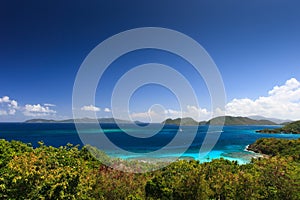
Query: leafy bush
[
  {"x": 71, "y": 173},
  {"x": 274, "y": 178},
  {"x": 279, "y": 147}
]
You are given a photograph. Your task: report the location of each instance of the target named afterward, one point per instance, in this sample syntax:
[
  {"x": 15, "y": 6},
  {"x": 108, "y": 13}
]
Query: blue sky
[{"x": 255, "y": 45}]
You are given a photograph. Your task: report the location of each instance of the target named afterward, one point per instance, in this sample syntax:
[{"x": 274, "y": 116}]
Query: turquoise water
[{"x": 230, "y": 145}]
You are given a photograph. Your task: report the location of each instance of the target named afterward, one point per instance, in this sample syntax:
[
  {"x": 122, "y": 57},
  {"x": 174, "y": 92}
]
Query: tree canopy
[{"x": 68, "y": 172}]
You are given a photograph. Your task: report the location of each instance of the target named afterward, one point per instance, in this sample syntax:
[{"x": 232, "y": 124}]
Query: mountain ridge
[
  {"x": 230, "y": 120},
  {"x": 293, "y": 127},
  {"x": 275, "y": 120},
  {"x": 226, "y": 120},
  {"x": 81, "y": 120},
  {"x": 187, "y": 121}
]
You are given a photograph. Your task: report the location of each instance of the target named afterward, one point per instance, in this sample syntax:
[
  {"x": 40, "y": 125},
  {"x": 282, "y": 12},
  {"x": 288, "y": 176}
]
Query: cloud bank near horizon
[
  {"x": 37, "y": 110},
  {"x": 10, "y": 107},
  {"x": 283, "y": 102},
  {"x": 90, "y": 108}
]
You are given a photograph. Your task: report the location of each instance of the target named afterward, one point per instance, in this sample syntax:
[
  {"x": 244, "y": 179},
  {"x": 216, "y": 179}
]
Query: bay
[{"x": 231, "y": 143}]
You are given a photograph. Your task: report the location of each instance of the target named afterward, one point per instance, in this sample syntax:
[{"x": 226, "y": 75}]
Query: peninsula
[{"x": 293, "y": 127}]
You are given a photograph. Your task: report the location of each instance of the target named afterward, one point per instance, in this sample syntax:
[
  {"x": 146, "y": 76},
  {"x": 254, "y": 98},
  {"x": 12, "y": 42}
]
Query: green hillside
[
  {"x": 187, "y": 121},
  {"x": 293, "y": 127},
  {"x": 277, "y": 147},
  {"x": 229, "y": 120},
  {"x": 72, "y": 173},
  {"x": 184, "y": 121},
  {"x": 82, "y": 120}
]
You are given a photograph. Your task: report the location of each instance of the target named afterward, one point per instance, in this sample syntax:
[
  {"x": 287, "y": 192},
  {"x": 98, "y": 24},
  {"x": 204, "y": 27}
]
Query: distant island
[
  {"x": 229, "y": 120},
  {"x": 272, "y": 119},
  {"x": 82, "y": 120},
  {"x": 187, "y": 121},
  {"x": 293, "y": 127}
]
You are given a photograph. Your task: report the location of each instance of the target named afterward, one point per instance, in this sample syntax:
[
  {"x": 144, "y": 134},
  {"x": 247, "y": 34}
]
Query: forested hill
[
  {"x": 187, "y": 121},
  {"x": 277, "y": 147},
  {"x": 183, "y": 121},
  {"x": 229, "y": 120},
  {"x": 82, "y": 120},
  {"x": 71, "y": 173},
  {"x": 293, "y": 127}
]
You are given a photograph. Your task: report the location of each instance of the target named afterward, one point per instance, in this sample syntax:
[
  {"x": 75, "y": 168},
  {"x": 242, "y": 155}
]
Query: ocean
[{"x": 231, "y": 143}]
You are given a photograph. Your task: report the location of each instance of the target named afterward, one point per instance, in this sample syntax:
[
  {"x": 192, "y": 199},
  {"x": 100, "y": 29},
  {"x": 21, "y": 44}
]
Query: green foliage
[
  {"x": 222, "y": 120},
  {"x": 115, "y": 184},
  {"x": 66, "y": 172},
  {"x": 48, "y": 173},
  {"x": 9, "y": 149},
  {"x": 71, "y": 173},
  {"x": 293, "y": 127},
  {"x": 181, "y": 121},
  {"x": 229, "y": 120},
  {"x": 275, "y": 178},
  {"x": 279, "y": 147}
]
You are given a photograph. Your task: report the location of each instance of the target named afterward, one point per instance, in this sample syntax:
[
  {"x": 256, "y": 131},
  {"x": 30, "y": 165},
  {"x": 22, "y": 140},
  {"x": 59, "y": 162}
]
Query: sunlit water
[{"x": 230, "y": 145}]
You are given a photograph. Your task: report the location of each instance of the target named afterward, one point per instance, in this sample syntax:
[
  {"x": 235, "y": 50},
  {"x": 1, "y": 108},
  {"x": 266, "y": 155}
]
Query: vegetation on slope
[
  {"x": 72, "y": 173},
  {"x": 81, "y": 120},
  {"x": 293, "y": 127},
  {"x": 277, "y": 147},
  {"x": 187, "y": 121},
  {"x": 229, "y": 120},
  {"x": 181, "y": 121}
]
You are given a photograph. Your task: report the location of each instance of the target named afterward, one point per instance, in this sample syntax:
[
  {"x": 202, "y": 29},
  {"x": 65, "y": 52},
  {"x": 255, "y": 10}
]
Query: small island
[{"x": 293, "y": 127}]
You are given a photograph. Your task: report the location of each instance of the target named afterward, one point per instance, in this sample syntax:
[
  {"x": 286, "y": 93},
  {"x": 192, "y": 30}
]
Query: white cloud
[
  {"x": 107, "y": 110},
  {"x": 37, "y": 110},
  {"x": 160, "y": 115},
  {"x": 4, "y": 99},
  {"x": 12, "y": 112},
  {"x": 14, "y": 104},
  {"x": 194, "y": 112},
  {"x": 49, "y": 104},
  {"x": 281, "y": 102},
  {"x": 9, "y": 106},
  {"x": 90, "y": 108},
  {"x": 140, "y": 115},
  {"x": 150, "y": 116},
  {"x": 197, "y": 113},
  {"x": 3, "y": 112}
]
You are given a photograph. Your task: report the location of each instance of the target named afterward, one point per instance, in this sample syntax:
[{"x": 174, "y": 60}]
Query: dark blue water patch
[
  {"x": 52, "y": 134},
  {"x": 149, "y": 144}
]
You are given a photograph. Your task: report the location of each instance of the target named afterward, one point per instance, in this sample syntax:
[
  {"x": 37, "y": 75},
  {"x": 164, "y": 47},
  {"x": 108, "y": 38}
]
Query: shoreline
[
  {"x": 242, "y": 157},
  {"x": 259, "y": 155}
]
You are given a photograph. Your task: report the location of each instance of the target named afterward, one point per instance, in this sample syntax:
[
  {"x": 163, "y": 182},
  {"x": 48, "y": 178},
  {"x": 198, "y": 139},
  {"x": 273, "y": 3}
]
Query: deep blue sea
[{"x": 231, "y": 143}]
